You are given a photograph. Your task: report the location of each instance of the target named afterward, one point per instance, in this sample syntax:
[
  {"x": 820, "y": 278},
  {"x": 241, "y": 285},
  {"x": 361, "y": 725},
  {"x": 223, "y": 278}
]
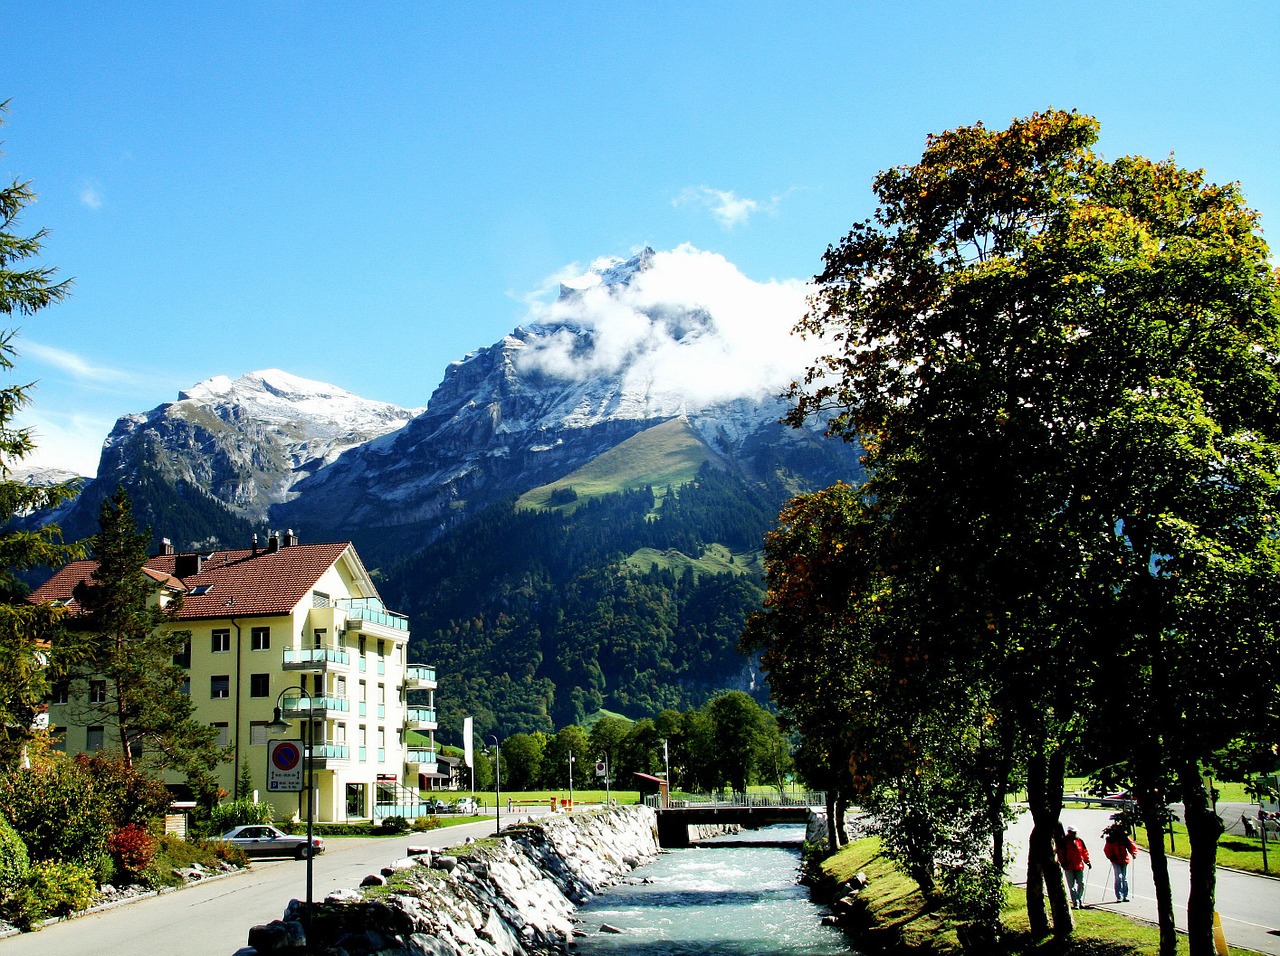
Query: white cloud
[
  {"x": 728, "y": 208},
  {"x": 72, "y": 364},
  {"x": 690, "y": 325},
  {"x": 71, "y": 441},
  {"x": 91, "y": 197}
]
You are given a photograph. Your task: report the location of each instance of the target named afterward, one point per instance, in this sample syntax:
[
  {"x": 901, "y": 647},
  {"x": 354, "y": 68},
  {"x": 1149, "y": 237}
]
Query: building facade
[{"x": 295, "y": 626}]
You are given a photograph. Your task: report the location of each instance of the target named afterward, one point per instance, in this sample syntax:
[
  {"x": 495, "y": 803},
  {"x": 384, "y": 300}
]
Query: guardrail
[{"x": 695, "y": 801}]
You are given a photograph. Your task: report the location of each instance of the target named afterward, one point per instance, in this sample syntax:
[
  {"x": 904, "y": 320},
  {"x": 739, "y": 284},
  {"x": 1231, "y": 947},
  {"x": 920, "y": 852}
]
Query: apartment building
[{"x": 298, "y": 626}]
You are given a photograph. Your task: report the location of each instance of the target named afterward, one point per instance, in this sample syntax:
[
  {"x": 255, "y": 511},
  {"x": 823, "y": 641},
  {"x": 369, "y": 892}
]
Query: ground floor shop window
[{"x": 356, "y": 800}]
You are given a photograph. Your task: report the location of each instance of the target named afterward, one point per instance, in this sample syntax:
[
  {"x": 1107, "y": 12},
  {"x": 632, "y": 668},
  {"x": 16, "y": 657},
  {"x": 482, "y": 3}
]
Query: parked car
[
  {"x": 439, "y": 806},
  {"x": 265, "y": 840},
  {"x": 467, "y": 805}
]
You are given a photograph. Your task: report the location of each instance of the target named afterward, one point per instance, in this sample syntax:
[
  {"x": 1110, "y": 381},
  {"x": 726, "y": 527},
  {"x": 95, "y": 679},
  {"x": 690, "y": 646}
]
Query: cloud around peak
[{"x": 688, "y": 324}]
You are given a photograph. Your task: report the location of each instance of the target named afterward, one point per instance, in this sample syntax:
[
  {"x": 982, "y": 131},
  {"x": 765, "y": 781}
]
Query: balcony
[
  {"x": 420, "y": 718},
  {"x": 369, "y": 616},
  {"x": 419, "y": 677},
  {"x": 329, "y": 755},
  {"x": 424, "y": 758},
  {"x": 295, "y": 707},
  {"x": 315, "y": 660}
]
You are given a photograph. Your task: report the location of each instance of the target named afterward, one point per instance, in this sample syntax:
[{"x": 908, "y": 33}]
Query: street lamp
[
  {"x": 570, "y": 779},
  {"x": 497, "y": 777},
  {"x": 279, "y": 725}
]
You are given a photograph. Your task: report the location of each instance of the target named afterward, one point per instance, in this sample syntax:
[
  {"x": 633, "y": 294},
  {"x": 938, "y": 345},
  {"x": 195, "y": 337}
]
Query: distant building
[{"x": 263, "y": 621}]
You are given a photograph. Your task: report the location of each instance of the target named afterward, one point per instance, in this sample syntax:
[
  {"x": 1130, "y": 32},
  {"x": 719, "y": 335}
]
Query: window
[
  {"x": 185, "y": 687},
  {"x": 58, "y": 739},
  {"x": 342, "y": 687},
  {"x": 258, "y": 733},
  {"x": 183, "y": 657},
  {"x": 260, "y": 639},
  {"x": 220, "y": 686},
  {"x": 319, "y": 599},
  {"x": 221, "y": 640},
  {"x": 319, "y": 634},
  {"x": 224, "y": 733},
  {"x": 97, "y": 692},
  {"x": 93, "y": 739},
  {"x": 59, "y": 694},
  {"x": 259, "y": 685}
]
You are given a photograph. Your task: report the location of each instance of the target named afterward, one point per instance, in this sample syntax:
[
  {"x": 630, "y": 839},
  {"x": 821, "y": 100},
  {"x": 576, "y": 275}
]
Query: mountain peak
[
  {"x": 270, "y": 381},
  {"x": 610, "y": 271}
]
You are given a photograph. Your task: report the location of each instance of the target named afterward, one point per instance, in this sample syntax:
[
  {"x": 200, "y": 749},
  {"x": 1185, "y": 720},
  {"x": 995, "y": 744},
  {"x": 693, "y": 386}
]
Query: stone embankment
[{"x": 512, "y": 895}]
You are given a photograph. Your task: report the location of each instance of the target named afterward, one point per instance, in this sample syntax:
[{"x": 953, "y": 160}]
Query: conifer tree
[
  {"x": 133, "y": 649},
  {"x": 29, "y": 655}
]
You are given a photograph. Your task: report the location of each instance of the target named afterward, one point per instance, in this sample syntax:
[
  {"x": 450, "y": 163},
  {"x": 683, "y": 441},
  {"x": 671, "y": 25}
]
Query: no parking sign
[{"x": 284, "y": 766}]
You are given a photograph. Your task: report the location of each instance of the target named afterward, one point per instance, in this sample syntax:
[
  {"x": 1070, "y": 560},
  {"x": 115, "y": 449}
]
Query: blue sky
[{"x": 360, "y": 194}]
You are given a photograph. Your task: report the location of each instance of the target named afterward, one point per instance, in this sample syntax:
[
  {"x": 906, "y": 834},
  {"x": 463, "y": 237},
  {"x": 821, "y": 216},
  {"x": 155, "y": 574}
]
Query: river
[{"x": 714, "y": 900}]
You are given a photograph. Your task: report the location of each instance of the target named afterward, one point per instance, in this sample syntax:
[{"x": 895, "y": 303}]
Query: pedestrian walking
[
  {"x": 1120, "y": 850},
  {"x": 1073, "y": 857}
]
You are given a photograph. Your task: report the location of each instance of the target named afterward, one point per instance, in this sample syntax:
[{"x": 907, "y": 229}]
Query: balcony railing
[
  {"x": 295, "y": 707},
  {"x": 373, "y": 611},
  {"x": 331, "y": 752},
  {"x": 420, "y": 715},
  {"x": 420, "y": 674},
  {"x": 420, "y": 755},
  {"x": 314, "y": 658}
]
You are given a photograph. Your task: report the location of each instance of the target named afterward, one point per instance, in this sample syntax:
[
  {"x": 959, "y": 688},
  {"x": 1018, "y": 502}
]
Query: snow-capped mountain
[{"x": 543, "y": 401}]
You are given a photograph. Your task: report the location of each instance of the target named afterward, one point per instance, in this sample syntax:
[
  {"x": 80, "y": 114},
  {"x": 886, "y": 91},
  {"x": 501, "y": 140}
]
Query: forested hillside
[{"x": 535, "y": 618}]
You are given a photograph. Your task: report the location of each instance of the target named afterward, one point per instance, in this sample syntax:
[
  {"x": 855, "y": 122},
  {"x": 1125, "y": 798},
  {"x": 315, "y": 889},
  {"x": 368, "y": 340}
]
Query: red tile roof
[{"x": 240, "y": 583}]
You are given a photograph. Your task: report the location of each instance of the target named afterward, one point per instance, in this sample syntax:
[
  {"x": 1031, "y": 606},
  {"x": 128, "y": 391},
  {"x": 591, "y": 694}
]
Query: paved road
[
  {"x": 1248, "y": 905},
  {"x": 213, "y": 919}
]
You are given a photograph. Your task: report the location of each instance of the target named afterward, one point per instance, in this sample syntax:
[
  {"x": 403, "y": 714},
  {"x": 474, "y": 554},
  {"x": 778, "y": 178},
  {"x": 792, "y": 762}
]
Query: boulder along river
[{"x": 735, "y": 895}]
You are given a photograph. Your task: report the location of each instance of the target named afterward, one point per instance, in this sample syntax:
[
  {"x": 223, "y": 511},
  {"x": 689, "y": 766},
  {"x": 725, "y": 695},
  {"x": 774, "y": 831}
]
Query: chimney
[
  {"x": 290, "y": 539},
  {"x": 187, "y": 565},
  {"x": 166, "y": 547},
  {"x": 255, "y": 544},
  {"x": 273, "y": 542}
]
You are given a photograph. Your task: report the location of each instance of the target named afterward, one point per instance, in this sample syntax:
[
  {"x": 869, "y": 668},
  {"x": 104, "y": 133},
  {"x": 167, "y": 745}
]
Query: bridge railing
[{"x": 695, "y": 801}]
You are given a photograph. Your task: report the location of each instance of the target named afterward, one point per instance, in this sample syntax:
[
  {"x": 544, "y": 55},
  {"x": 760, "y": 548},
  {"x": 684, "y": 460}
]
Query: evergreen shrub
[
  {"x": 14, "y": 863},
  {"x": 237, "y": 813}
]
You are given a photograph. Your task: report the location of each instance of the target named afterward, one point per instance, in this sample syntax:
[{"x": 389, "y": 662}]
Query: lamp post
[
  {"x": 666, "y": 762},
  {"x": 497, "y": 777},
  {"x": 279, "y": 725},
  {"x": 570, "y": 779}
]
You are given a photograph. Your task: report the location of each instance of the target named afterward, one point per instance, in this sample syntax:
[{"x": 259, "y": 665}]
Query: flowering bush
[{"x": 53, "y": 889}]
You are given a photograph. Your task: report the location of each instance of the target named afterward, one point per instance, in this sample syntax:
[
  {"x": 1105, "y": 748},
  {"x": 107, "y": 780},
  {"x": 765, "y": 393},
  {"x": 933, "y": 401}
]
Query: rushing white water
[{"x": 731, "y": 900}]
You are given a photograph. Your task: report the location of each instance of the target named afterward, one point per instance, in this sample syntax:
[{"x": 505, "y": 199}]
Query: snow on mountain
[{"x": 249, "y": 440}]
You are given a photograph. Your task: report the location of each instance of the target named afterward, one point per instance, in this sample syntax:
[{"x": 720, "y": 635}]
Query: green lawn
[
  {"x": 899, "y": 910},
  {"x": 1237, "y": 852}
]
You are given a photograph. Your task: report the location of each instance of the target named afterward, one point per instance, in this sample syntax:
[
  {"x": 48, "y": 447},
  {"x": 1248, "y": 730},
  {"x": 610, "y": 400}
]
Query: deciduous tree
[{"x": 1064, "y": 372}]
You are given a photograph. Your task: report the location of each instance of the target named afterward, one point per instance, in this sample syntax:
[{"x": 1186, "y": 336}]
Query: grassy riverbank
[{"x": 895, "y": 909}]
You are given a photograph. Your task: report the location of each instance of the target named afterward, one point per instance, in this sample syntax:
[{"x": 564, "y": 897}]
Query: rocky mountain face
[{"x": 238, "y": 447}]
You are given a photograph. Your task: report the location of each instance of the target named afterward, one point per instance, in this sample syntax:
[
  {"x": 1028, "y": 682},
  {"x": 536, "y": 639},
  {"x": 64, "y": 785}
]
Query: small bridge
[{"x": 749, "y": 811}]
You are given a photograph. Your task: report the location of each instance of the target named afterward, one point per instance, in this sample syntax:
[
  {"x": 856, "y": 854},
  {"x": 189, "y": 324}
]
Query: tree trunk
[
  {"x": 1044, "y": 799},
  {"x": 1150, "y": 808},
  {"x": 1203, "y": 829},
  {"x": 833, "y": 838}
]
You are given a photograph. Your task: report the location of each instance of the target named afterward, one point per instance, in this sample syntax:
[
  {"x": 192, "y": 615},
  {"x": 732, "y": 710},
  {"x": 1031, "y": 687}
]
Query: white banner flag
[{"x": 467, "y": 734}]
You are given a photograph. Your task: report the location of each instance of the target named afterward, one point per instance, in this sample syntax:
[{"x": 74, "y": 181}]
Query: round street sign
[{"x": 284, "y": 766}]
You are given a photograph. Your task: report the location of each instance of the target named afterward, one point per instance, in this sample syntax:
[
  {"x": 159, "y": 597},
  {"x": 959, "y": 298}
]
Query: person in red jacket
[
  {"x": 1073, "y": 857},
  {"x": 1120, "y": 849}
]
